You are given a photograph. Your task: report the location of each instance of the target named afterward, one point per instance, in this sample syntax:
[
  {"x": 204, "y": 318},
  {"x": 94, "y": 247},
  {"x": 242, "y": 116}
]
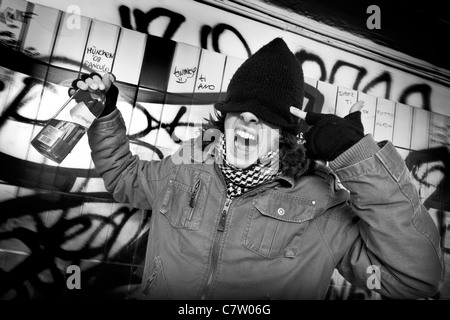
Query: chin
[{"x": 241, "y": 162}]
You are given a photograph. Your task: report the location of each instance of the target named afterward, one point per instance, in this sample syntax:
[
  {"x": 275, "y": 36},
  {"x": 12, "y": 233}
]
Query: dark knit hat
[{"x": 267, "y": 84}]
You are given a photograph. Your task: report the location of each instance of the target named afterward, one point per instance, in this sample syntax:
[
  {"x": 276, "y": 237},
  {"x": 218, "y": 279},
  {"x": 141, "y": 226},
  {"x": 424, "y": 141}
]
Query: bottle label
[
  {"x": 81, "y": 115},
  {"x": 50, "y": 135}
]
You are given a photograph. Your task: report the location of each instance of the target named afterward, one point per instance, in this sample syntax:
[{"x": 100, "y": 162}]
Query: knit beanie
[{"x": 267, "y": 84}]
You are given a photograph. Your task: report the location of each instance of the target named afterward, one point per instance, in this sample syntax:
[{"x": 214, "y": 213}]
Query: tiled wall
[{"x": 53, "y": 216}]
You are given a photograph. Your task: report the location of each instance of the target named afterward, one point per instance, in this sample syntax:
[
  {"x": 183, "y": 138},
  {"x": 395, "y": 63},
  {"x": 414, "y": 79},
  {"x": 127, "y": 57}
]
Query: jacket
[{"x": 282, "y": 239}]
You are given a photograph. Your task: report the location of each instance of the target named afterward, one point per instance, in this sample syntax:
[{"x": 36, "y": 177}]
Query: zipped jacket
[{"x": 282, "y": 239}]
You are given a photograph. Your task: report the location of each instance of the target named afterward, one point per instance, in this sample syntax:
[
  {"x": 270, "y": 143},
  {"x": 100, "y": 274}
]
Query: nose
[{"x": 249, "y": 117}]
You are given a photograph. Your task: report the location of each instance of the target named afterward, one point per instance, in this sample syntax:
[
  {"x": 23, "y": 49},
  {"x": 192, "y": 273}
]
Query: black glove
[
  {"x": 330, "y": 135},
  {"x": 112, "y": 92}
]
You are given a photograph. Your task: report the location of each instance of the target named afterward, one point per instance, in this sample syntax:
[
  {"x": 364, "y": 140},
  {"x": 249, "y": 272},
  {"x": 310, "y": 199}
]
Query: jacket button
[{"x": 280, "y": 211}]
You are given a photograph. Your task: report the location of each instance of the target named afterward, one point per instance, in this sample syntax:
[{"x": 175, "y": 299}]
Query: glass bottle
[{"x": 63, "y": 131}]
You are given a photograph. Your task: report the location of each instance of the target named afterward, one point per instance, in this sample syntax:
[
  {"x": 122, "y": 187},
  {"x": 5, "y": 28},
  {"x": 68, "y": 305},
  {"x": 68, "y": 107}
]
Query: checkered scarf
[{"x": 240, "y": 180}]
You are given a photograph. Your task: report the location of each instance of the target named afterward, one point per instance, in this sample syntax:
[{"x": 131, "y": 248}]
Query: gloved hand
[
  {"x": 93, "y": 82},
  {"x": 330, "y": 135}
]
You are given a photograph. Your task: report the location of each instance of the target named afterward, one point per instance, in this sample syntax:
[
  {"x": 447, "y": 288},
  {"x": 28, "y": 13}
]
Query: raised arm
[
  {"x": 395, "y": 234},
  {"x": 126, "y": 177}
]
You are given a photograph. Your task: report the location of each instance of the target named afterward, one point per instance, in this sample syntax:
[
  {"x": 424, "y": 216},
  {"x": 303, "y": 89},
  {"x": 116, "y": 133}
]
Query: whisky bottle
[{"x": 63, "y": 131}]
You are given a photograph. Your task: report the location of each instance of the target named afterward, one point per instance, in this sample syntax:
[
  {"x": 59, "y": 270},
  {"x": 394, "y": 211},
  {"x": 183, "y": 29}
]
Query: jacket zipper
[
  {"x": 193, "y": 199},
  {"x": 216, "y": 246},
  {"x": 217, "y": 239},
  {"x": 223, "y": 216}
]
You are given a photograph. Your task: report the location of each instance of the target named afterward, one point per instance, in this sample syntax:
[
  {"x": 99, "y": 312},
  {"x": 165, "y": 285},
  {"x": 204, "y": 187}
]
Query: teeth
[{"x": 245, "y": 135}]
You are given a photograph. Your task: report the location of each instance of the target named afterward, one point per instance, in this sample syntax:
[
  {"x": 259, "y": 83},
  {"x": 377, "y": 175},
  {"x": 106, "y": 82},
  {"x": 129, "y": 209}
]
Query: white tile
[
  {"x": 420, "y": 129},
  {"x": 129, "y": 56},
  {"x": 41, "y": 32},
  {"x": 346, "y": 98},
  {"x": 70, "y": 43},
  {"x": 402, "y": 125},
  {"x": 384, "y": 120},
  {"x": 184, "y": 69},
  {"x": 14, "y": 24},
  {"x": 101, "y": 48},
  {"x": 329, "y": 92},
  {"x": 210, "y": 72}
]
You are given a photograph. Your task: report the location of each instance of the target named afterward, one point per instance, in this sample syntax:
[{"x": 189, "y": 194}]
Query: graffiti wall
[
  {"x": 235, "y": 35},
  {"x": 55, "y": 216}
]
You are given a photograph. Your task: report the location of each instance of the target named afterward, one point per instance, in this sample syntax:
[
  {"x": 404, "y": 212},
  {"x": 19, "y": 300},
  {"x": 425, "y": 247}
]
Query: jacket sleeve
[
  {"x": 126, "y": 177},
  {"x": 397, "y": 236}
]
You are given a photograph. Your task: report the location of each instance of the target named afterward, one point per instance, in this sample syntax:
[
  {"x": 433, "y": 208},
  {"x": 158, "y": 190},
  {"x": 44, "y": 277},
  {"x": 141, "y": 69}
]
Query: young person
[{"x": 256, "y": 214}]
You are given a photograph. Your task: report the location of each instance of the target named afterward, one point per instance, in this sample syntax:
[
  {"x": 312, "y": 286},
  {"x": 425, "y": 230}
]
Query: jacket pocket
[
  {"x": 154, "y": 285},
  {"x": 276, "y": 224},
  {"x": 184, "y": 201}
]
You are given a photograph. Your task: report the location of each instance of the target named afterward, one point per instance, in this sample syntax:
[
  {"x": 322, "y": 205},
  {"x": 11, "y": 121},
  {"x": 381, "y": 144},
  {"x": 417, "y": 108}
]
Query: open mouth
[{"x": 244, "y": 139}]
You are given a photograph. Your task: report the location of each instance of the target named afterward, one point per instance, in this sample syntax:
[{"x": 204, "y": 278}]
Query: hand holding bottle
[
  {"x": 91, "y": 97},
  {"x": 94, "y": 82}
]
